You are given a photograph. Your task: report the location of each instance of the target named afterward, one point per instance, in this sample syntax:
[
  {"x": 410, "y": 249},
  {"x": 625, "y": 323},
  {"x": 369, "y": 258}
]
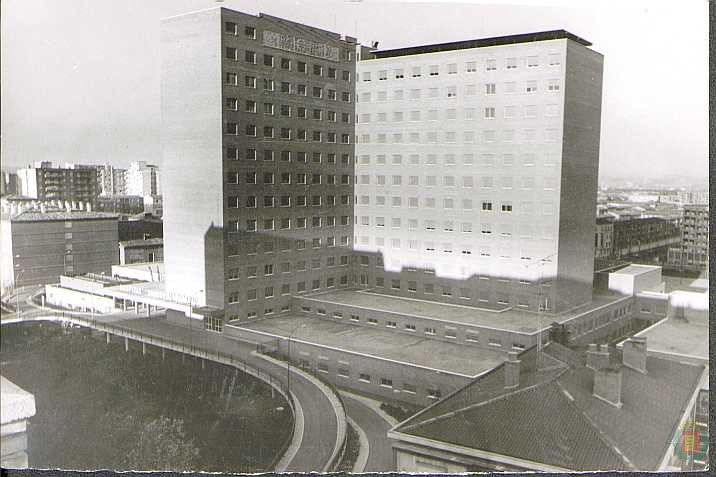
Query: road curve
[
  {"x": 320, "y": 423},
  {"x": 380, "y": 453}
]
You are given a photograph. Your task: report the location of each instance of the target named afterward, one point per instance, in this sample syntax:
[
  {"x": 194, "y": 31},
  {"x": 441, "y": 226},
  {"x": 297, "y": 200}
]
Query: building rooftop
[
  {"x": 481, "y": 42},
  {"x": 142, "y": 242},
  {"x": 36, "y": 216},
  {"x": 680, "y": 337},
  {"x": 635, "y": 269},
  {"x": 16, "y": 403},
  {"x": 509, "y": 319},
  {"x": 589, "y": 433},
  {"x": 467, "y": 361}
]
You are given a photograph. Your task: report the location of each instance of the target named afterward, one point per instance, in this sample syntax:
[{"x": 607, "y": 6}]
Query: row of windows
[
  {"x": 297, "y": 222},
  {"x": 468, "y": 159},
  {"x": 271, "y": 132},
  {"x": 269, "y": 84},
  {"x": 232, "y": 177},
  {"x": 251, "y": 154},
  {"x": 271, "y": 61},
  {"x": 468, "y": 182},
  {"x": 252, "y": 271},
  {"x": 490, "y": 64},
  {"x": 486, "y": 136},
  {"x": 508, "y": 112},
  {"x": 432, "y": 225},
  {"x": 245, "y": 247},
  {"x": 451, "y": 91},
  {"x": 503, "y": 252},
  {"x": 429, "y": 202},
  {"x": 504, "y": 230},
  {"x": 472, "y": 336},
  {"x": 285, "y": 289},
  {"x": 428, "y": 269},
  {"x": 286, "y": 110}
]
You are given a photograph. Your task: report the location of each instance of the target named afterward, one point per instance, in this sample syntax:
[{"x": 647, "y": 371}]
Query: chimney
[
  {"x": 608, "y": 385},
  {"x": 42, "y": 207},
  {"x": 512, "y": 370},
  {"x": 634, "y": 353},
  {"x": 597, "y": 357},
  {"x": 89, "y": 207}
]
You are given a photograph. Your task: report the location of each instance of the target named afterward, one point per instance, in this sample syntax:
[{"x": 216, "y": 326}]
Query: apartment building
[
  {"x": 143, "y": 179},
  {"x": 71, "y": 183},
  {"x": 258, "y": 159},
  {"x": 693, "y": 252},
  {"x": 112, "y": 180},
  {"x": 476, "y": 170}
]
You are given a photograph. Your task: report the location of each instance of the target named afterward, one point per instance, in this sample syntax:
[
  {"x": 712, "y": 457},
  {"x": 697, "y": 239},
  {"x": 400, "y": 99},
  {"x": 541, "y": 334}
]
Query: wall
[
  {"x": 191, "y": 146},
  {"x": 579, "y": 172},
  {"x": 326, "y": 362},
  {"x": 42, "y": 248},
  {"x": 78, "y": 300}
]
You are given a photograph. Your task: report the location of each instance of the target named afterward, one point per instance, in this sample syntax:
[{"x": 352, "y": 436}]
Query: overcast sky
[{"x": 80, "y": 78}]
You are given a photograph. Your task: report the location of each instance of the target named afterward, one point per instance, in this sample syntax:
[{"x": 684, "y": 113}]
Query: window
[
  {"x": 364, "y": 377},
  {"x": 268, "y": 60},
  {"x": 268, "y": 84},
  {"x": 471, "y": 66},
  {"x": 553, "y": 85},
  {"x": 491, "y": 65},
  {"x": 451, "y": 91},
  {"x": 250, "y": 56},
  {"x": 531, "y": 87},
  {"x": 317, "y": 92},
  {"x": 433, "y": 70},
  {"x": 506, "y": 208},
  {"x": 452, "y": 68},
  {"x": 511, "y": 63},
  {"x": 532, "y": 61},
  {"x": 554, "y": 59},
  {"x": 385, "y": 382},
  {"x": 382, "y": 75},
  {"x": 490, "y": 113}
]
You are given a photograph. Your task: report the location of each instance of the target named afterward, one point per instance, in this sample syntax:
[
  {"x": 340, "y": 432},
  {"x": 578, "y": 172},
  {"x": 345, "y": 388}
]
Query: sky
[{"x": 80, "y": 78}]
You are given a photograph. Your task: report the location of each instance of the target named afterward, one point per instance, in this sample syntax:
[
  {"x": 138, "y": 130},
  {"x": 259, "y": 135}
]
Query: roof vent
[
  {"x": 634, "y": 353},
  {"x": 512, "y": 370}
]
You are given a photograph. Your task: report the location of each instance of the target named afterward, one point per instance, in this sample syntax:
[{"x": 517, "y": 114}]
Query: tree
[{"x": 162, "y": 445}]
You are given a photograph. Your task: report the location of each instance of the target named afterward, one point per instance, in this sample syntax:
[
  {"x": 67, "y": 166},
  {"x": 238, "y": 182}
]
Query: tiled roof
[{"x": 553, "y": 418}]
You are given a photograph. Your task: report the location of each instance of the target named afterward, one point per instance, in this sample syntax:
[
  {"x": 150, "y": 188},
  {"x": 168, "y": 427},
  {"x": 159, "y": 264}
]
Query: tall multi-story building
[
  {"x": 476, "y": 170},
  {"x": 258, "y": 150},
  {"x": 143, "y": 179},
  {"x": 112, "y": 180},
  {"x": 693, "y": 252},
  {"x": 72, "y": 184}
]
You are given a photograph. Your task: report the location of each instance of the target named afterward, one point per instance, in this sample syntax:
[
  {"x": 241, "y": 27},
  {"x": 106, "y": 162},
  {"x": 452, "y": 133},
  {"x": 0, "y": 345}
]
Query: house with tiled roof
[{"x": 555, "y": 409}]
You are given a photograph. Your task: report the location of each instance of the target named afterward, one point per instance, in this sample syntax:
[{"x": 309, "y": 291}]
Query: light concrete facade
[{"x": 481, "y": 162}]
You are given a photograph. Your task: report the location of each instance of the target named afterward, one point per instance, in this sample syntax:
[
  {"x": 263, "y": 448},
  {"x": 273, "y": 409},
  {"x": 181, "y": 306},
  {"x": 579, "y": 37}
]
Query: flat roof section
[
  {"x": 634, "y": 269},
  {"x": 509, "y": 319},
  {"x": 481, "y": 43},
  {"x": 679, "y": 337},
  {"x": 468, "y": 361}
]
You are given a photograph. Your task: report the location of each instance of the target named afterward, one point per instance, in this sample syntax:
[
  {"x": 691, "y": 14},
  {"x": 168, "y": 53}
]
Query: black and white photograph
[{"x": 355, "y": 236}]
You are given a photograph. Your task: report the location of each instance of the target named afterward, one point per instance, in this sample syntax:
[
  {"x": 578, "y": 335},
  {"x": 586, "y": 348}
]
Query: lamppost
[
  {"x": 18, "y": 274},
  {"x": 288, "y": 357}
]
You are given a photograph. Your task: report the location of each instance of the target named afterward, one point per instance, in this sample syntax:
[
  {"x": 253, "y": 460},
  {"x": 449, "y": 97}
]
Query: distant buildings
[
  {"x": 635, "y": 238},
  {"x": 44, "y": 182},
  {"x": 692, "y": 254},
  {"x": 112, "y": 180},
  {"x": 143, "y": 179},
  {"x": 38, "y": 247},
  {"x": 121, "y": 204},
  {"x": 8, "y": 183}
]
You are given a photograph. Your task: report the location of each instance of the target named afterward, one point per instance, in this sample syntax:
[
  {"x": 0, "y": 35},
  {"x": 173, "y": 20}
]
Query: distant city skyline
[{"x": 91, "y": 94}]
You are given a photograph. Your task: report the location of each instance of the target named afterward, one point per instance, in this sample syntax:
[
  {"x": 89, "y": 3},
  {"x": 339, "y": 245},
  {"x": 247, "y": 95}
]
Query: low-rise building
[
  {"x": 17, "y": 407},
  {"x": 39, "y": 246},
  {"x": 555, "y": 409},
  {"x": 144, "y": 250}
]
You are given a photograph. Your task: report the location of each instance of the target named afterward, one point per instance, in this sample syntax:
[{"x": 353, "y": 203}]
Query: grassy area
[
  {"x": 352, "y": 450},
  {"x": 101, "y": 407},
  {"x": 400, "y": 412}
]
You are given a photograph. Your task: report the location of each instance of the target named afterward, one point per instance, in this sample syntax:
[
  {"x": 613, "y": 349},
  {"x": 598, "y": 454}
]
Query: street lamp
[
  {"x": 18, "y": 274},
  {"x": 288, "y": 357}
]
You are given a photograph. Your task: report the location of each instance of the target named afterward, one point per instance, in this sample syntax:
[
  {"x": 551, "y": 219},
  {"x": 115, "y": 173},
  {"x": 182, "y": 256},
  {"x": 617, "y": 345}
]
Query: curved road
[
  {"x": 320, "y": 429},
  {"x": 380, "y": 452}
]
